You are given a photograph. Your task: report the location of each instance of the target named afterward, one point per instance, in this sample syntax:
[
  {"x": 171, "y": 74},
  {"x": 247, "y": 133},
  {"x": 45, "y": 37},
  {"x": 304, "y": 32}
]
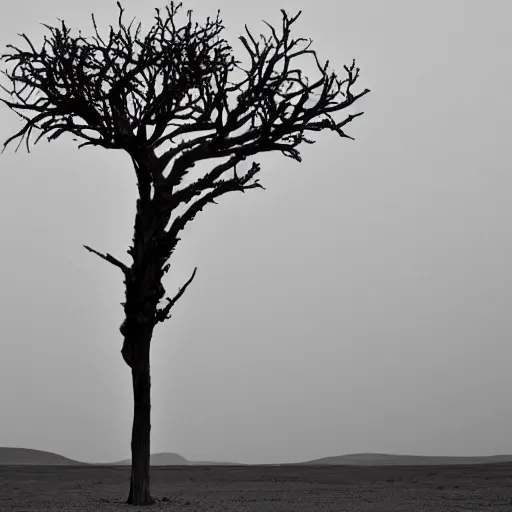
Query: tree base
[
  {"x": 140, "y": 494},
  {"x": 141, "y": 500}
]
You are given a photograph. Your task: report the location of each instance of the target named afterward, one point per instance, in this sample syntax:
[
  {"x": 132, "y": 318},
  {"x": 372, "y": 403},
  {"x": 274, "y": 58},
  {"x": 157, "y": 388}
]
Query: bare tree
[{"x": 137, "y": 94}]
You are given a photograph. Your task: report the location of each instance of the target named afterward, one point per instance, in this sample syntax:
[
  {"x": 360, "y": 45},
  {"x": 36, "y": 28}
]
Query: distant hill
[
  {"x": 25, "y": 456},
  {"x": 172, "y": 459},
  {"x": 157, "y": 459},
  {"x": 384, "y": 459},
  {"x": 28, "y": 457},
  {"x": 212, "y": 463}
]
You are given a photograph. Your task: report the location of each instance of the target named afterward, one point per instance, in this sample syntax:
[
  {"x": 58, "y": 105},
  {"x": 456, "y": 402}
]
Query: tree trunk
[
  {"x": 139, "y": 481},
  {"x": 144, "y": 290}
]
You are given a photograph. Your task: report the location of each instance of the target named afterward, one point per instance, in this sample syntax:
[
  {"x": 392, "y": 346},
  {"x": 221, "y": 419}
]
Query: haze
[{"x": 360, "y": 304}]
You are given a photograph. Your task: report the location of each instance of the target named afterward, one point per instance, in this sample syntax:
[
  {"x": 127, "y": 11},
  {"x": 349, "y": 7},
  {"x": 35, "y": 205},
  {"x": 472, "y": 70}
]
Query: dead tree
[{"x": 110, "y": 91}]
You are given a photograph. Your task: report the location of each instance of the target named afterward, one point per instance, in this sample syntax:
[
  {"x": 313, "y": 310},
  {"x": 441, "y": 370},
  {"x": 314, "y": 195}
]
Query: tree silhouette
[{"x": 138, "y": 93}]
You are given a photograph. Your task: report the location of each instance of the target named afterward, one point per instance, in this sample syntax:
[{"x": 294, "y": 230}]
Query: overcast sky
[{"x": 360, "y": 304}]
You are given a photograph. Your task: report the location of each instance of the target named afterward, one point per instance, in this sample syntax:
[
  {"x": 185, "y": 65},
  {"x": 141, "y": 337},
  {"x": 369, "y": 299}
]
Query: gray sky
[{"x": 360, "y": 304}]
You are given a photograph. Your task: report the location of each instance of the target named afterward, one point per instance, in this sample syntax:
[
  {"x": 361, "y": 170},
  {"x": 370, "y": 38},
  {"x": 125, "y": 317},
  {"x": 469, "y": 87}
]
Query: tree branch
[
  {"x": 220, "y": 187},
  {"x": 282, "y": 123},
  {"x": 175, "y": 77},
  {"x": 164, "y": 313},
  {"x": 110, "y": 259},
  {"x": 113, "y": 84}
]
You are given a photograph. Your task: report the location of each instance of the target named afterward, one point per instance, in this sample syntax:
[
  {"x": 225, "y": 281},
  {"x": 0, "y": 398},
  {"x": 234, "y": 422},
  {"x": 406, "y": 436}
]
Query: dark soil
[{"x": 483, "y": 487}]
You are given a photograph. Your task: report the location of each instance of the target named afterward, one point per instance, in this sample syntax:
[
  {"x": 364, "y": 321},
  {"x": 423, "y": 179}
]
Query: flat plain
[{"x": 326, "y": 488}]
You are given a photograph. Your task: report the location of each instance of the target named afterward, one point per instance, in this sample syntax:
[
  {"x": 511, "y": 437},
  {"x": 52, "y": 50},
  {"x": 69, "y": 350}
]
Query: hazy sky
[{"x": 360, "y": 304}]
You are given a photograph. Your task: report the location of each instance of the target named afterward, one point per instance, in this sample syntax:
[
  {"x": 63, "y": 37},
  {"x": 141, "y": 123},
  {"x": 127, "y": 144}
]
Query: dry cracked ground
[{"x": 486, "y": 487}]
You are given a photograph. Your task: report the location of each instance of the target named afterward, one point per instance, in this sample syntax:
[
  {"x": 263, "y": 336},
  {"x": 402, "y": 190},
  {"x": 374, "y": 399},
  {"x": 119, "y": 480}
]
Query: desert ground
[{"x": 484, "y": 487}]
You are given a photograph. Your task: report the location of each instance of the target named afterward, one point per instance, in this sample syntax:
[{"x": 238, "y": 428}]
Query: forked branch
[{"x": 164, "y": 313}]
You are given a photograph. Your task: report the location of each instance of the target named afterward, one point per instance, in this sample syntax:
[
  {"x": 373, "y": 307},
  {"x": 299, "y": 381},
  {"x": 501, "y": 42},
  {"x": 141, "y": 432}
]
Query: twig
[{"x": 110, "y": 259}]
